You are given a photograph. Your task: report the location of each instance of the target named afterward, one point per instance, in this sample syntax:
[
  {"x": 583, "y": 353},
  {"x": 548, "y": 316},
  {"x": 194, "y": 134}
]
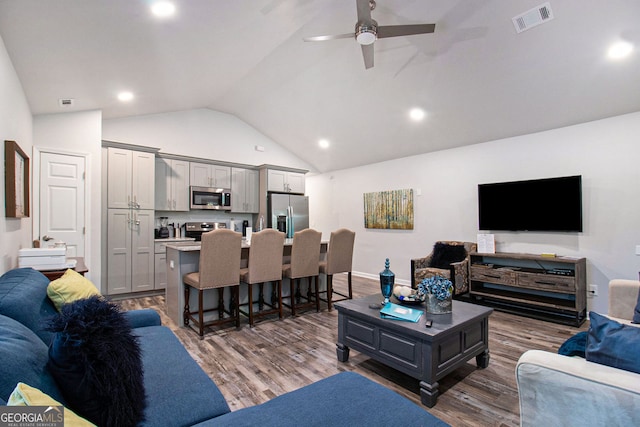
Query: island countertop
[{"x": 195, "y": 246}]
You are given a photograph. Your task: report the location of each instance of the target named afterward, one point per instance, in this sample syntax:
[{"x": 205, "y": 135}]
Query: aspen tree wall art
[{"x": 389, "y": 209}]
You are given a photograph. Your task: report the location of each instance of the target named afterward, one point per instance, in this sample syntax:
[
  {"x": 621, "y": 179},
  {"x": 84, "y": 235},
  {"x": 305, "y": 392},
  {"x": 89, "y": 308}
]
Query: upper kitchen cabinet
[
  {"x": 285, "y": 181},
  {"x": 172, "y": 185},
  {"x": 209, "y": 175},
  {"x": 130, "y": 179},
  {"x": 245, "y": 184}
]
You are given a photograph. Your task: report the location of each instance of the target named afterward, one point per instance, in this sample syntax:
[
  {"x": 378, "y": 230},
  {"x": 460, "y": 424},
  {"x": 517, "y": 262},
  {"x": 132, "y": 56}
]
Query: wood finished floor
[{"x": 253, "y": 365}]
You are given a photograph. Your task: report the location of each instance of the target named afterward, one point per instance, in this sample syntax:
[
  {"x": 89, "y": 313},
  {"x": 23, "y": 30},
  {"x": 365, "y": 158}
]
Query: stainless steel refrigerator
[{"x": 284, "y": 210}]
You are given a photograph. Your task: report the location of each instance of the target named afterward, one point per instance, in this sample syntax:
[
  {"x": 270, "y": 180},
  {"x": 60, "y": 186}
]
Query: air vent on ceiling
[
  {"x": 532, "y": 18},
  {"x": 65, "y": 102}
]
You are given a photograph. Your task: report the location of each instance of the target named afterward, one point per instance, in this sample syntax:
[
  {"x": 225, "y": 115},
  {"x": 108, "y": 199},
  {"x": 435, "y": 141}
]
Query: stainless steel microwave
[{"x": 210, "y": 198}]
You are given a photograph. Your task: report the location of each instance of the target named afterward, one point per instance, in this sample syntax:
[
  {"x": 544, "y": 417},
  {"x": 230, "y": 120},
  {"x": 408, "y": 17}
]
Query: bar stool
[
  {"x": 339, "y": 260},
  {"x": 305, "y": 257},
  {"x": 219, "y": 268},
  {"x": 265, "y": 265}
]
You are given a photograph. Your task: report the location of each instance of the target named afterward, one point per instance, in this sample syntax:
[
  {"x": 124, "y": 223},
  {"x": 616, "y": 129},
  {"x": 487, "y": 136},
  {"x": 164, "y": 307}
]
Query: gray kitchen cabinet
[
  {"x": 285, "y": 181},
  {"x": 130, "y": 179},
  {"x": 244, "y": 190},
  {"x": 209, "y": 175},
  {"x": 130, "y": 251},
  {"x": 172, "y": 185}
]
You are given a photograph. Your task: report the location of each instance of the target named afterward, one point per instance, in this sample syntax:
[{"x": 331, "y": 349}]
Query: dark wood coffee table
[{"x": 427, "y": 354}]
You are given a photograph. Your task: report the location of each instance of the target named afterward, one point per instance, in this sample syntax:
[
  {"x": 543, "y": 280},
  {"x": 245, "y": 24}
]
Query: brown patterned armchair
[{"x": 458, "y": 272}]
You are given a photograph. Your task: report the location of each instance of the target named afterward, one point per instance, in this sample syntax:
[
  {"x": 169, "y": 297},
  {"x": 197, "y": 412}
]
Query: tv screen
[{"x": 552, "y": 204}]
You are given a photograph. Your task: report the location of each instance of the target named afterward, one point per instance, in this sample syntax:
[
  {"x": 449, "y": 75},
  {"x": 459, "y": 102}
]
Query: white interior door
[{"x": 62, "y": 201}]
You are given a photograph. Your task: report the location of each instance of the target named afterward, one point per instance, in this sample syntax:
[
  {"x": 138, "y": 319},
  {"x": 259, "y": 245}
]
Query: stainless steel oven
[
  {"x": 210, "y": 198},
  {"x": 195, "y": 229}
]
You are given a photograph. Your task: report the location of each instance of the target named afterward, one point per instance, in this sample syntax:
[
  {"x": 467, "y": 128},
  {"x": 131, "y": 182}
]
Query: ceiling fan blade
[
  {"x": 367, "y": 54},
  {"x": 405, "y": 30},
  {"x": 364, "y": 11},
  {"x": 329, "y": 37}
]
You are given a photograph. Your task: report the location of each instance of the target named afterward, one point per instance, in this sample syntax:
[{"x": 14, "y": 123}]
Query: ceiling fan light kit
[
  {"x": 366, "y": 34},
  {"x": 367, "y": 31}
]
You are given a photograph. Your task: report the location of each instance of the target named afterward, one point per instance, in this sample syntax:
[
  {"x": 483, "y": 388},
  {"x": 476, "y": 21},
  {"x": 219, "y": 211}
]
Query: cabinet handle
[{"x": 545, "y": 283}]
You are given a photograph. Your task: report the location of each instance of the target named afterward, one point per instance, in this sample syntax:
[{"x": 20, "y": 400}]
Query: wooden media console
[{"x": 543, "y": 287}]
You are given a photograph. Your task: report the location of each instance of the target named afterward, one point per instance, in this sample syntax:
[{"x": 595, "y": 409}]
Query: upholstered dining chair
[
  {"x": 449, "y": 259},
  {"x": 219, "y": 268},
  {"x": 339, "y": 260},
  {"x": 305, "y": 263},
  {"x": 265, "y": 265}
]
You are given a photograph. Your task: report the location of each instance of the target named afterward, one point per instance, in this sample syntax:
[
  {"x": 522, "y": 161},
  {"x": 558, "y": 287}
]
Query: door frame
[{"x": 37, "y": 151}]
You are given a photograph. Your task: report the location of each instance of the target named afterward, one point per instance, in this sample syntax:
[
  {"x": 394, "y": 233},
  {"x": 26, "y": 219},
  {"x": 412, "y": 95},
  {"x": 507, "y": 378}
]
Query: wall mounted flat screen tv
[{"x": 552, "y": 204}]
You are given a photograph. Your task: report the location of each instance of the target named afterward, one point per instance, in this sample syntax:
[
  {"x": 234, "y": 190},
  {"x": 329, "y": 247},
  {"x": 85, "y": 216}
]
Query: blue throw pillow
[
  {"x": 612, "y": 343},
  {"x": 97, "y": 362},
  {"x": 575, "y": 346},
  {"x": 636, "y": 312}
]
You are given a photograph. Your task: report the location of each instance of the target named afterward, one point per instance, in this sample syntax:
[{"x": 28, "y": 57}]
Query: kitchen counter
[
  {"x": 175, "y": 239},
  {"x": 195, "y": 246}
]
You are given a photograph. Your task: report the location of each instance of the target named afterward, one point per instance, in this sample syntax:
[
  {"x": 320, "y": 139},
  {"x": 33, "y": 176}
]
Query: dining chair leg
[
  {"x": 292, "y": 297},
  {"x": 185, "y": 311},
  {"x": 235, "y": 292},
  {"x": 315, "y": 279},
  {"x": 232, "y": 301},
  {"x": 279, "y": 285},
  {"x": 200, "y": 314},
  {"x": 349, "y": 282},
  {"x": 250, "y": 302},
  {"x": 329, "y": 290}
]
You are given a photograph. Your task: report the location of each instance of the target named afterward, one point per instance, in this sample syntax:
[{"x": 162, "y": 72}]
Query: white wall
[
  {"x": 200, "y": 133},
  {"x": 80, "y": 134},
  {"x": 15, "y": 125},
  {"x": 606, "y": 153}
]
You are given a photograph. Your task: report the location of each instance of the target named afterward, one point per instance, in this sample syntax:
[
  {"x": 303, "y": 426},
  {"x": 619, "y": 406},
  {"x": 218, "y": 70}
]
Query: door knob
[{"x": 47, "y": 238}]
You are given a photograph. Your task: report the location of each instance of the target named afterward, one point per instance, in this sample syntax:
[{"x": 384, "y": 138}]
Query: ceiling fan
[{"x": 368, "y": 30}]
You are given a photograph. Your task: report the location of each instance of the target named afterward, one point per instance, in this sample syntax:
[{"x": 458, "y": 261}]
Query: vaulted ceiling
[{"x": 476, "y": 78}]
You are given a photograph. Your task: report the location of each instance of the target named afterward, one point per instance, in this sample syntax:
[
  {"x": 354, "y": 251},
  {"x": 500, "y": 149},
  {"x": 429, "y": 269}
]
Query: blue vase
[{"x": 387, "y": 279}]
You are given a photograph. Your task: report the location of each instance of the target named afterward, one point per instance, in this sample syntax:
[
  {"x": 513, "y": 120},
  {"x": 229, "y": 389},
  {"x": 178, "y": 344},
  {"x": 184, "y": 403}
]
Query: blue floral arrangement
[{"x": 439, "y": 286}]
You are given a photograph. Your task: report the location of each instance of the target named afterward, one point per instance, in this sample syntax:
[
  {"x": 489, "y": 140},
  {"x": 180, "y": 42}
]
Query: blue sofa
[{"x": 179, "y": 393}]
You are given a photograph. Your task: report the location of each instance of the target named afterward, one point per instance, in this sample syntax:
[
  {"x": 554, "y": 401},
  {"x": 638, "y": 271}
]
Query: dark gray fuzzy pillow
[{"x": 96, "y": 361}]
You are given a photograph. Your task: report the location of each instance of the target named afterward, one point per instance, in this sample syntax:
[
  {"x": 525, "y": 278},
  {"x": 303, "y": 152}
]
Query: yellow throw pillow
[
  {"x": 25, "y": 395},
  {"x": 70, "y": 287}
]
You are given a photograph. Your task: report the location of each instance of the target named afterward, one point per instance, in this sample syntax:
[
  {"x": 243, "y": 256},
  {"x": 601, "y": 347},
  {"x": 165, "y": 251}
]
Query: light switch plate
[{"x": 637, "y": 249}]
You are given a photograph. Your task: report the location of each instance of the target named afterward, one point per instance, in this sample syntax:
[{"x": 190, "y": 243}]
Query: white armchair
[{"x": 556, "y": 390}]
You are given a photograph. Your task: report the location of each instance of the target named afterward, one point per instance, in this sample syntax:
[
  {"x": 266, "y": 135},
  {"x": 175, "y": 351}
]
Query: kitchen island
[{"x": 183, "y": 258}]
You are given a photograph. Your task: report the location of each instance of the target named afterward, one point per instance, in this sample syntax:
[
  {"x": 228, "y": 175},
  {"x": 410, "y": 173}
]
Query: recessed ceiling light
[
  {"x": 125, "y": 96},
  {"x": 417, "y": 114},
  {"x": 324, "y": 143},
  {"x": 162, "y": 9},
  {"x": 620, "y": 50}
]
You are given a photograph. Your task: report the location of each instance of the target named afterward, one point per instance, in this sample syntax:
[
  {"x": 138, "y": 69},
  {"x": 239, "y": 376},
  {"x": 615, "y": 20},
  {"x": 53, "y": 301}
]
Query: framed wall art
[
  {"x": 389, "y": 209},
  {"x": 16, "y": 181}
]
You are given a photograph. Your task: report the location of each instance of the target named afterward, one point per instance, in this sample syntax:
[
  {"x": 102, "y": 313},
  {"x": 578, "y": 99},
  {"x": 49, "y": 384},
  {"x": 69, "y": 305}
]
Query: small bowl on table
[{"x": 407, "y": 295}]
